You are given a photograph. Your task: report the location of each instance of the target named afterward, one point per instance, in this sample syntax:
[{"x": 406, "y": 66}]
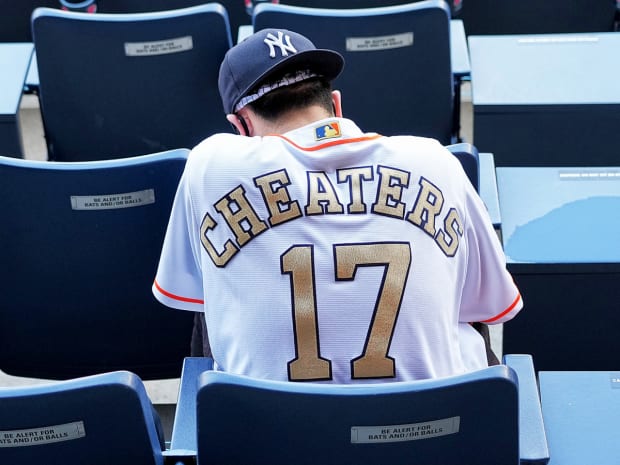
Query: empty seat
[
  {"x": 118, "y": 85},
  {"x": 79, "y": 252},
  {"x": 96, "y": 420}
]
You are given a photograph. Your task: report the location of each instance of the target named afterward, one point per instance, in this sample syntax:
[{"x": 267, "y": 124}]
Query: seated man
[{"x": 318, "y": 252}]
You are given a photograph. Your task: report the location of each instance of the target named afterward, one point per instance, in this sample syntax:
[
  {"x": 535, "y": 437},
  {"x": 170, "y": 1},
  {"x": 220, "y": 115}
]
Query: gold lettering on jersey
[
  {"x": 243, "y": 221},
  {"x": 220, "y": 259},
  {"x": 427, "y": 207},
  {"x": 277, "y": 198},
  {"x": 322, "y": 197},
  {"x": 355, "y": 176},
  {"x": 396, "y": 258},
  {"x": 427, "y": 212},
  {"x": 307, "y": 365},
  {"x": 448, "y": 238},
  {"x": 391, "y": 184}
]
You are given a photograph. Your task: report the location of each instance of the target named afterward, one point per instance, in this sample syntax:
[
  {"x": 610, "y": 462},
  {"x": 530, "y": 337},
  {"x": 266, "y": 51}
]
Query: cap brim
[{"x": 326, "y": 63}]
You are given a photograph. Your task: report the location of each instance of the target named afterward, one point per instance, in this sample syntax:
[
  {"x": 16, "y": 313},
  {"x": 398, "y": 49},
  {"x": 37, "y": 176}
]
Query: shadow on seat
[
  {"x": 78, "y": 257},
  {"x": 398, "y": 75},
  {"x": 467, "y": 154},
  {"x": 117, "y": 85},
  {"x": 235, "y": 8},
  {"x": 455, "y": 5},
  {"x": 15, "y": 18},
  {"x": 482, "y": 17},
  {"x": 97, "y": 420},
  {"x": 491, "y": 416}
]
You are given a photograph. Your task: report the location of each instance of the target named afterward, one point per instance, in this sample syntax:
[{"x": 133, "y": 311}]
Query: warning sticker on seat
[
  {"x": 42, "y": 435},
  {"x": 406, "y": 432},
  {"x": 113, "y": 201},
  {"x": 370, "y": 44},
  {"x": 159, "y": 47}
]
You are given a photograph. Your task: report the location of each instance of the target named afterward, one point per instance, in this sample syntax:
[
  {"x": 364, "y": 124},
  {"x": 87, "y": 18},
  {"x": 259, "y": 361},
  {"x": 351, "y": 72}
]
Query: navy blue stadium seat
[
  {"x": 80, "y": 247},
  {"x": 483, "y": 17},
  {"x": 15, "y": 18},
  {"x": 118, "y": 85},
  {"x": 491, "y": 416},
  {"x": 236, "y": 9},
  {"x": 467, "y": 154},
  {"x": 560, "y": 230},
  {"x": 398, "y": 76},
  {"x": 143, "y": 6},
  {"x": 581, "y": 410},
  {"x": 98, "y": 420},
  {"x": 455, "y": 5}
]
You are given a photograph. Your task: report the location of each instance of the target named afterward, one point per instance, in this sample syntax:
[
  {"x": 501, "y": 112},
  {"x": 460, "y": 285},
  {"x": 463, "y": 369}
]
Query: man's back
[{"x": 328, "y": 254}]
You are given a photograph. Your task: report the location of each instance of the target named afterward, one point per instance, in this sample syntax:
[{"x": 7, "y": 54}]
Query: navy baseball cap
[{"x": 269, "y": 54}]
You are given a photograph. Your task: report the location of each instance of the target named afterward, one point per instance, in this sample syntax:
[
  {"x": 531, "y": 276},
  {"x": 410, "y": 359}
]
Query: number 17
[{"x": 374, "y": 362}]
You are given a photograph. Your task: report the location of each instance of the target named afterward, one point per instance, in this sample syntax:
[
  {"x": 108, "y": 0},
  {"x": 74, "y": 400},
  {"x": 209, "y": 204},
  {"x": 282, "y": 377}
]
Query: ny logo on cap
[{"x": 274, "y": 42}]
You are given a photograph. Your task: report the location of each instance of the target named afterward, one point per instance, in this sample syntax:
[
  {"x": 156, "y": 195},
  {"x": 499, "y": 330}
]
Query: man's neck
[{"x": 293, "y": 120}]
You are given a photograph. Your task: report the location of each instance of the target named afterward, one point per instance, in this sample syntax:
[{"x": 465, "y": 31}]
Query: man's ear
[
  {"x": 337, "y": 101},
  {"x": 239, "y": 123}
]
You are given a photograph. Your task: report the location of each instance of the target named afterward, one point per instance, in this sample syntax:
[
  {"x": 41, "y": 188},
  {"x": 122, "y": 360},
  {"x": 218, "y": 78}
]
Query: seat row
[
  {"x": 118, "y": 95},
  {"x": 78, "y": 257},
  {"x": 80, "y": 247},
  {"x": 79, "y": 253},
  {"x": 148, "y": 82},
  {"x": 534, "y": 105},
  {"x": 489, "y": 417},
  {"x": 504, "y": 414},
  {"x": 480, "y": 16}
]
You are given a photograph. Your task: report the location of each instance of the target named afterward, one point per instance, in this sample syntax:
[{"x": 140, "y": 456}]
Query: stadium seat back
[
  {"x": 467, "y": 154},
  {"x": 455, "y": 5},
  {"x": 117, "y": 85},
  {"x": 481, "y": 17},
  {"x": 97, "y": 420},
  {"x": 15, "y": 18},
  {"x": 398, "y": 73},
  {"x": 80, "y": 247},
  {"x": 471, "y": 418}
]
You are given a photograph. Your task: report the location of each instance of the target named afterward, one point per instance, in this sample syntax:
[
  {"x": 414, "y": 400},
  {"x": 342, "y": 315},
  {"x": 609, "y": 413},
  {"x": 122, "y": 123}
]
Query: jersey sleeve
[
  {"x": 489, "y": 293},
  {"x": 178, "y": 282}
]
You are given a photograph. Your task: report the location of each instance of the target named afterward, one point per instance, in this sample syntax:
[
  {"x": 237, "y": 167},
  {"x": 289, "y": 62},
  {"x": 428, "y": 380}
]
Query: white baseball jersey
[{"x": 327, "y": 254}]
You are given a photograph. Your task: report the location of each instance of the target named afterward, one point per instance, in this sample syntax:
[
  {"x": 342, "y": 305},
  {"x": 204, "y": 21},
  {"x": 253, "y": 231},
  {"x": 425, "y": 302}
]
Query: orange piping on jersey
[
  {"x": 177, "y": 297},
  {"x": 508, "y": 310},
  {"x": 330, "y": 143}
]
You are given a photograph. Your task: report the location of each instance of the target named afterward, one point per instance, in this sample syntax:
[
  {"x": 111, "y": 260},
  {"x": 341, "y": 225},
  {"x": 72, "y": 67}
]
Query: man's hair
[{"x": 278, "y": 102}]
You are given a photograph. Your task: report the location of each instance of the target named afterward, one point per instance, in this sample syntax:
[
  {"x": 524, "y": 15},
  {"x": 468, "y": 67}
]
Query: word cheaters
[
  {"x": 407, "y": 432},
  {"x": 113, "y": 201},
  {"x": 42, "y": 435}
]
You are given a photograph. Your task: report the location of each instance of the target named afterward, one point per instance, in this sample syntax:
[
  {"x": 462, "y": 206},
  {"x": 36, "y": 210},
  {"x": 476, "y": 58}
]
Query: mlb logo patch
[{"x": 327, "y": 131}]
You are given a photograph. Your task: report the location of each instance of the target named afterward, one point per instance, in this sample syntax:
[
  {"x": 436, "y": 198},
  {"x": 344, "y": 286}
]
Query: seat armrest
[
  {"x": 488, "y": 187},
  {"x": 461, "y": 70},
  {"x": 184, "y": 426},
  {"x": 467, "y": 155},
  {"x": 14, "y": 61},
  {"x": 459, "y": 53},
  {"x": 179, "y": 457},
  {"x": 32, "y": 78},
  {"x": 533, "y": 448}
]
